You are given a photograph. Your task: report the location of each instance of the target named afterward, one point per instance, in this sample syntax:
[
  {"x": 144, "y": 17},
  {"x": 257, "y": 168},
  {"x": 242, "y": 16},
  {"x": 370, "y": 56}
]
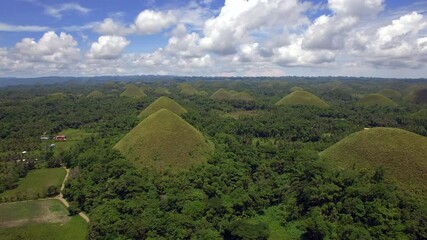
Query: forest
[{"x": 266, "y": 176}]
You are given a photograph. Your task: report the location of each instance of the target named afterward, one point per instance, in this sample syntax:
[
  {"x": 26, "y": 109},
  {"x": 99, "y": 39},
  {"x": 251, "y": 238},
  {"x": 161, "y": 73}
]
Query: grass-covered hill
[
  {"x": 230, "y": 95},
  {"x": 160, "y": 103},
  {"x": 376, "y": 100},
  {"x": 165, "y": 140},
  {"x": 390, "y": 93},
  {"x": 162, "y": 91},
  {"x": 418, "y": 96},
  {"x": 401, "y": 153},
  {"x": 95, "y": 94},
  {"x": 189, "y": 90},
  {"x": 302, "y": 98},
  {"x": 293, "y": 89},
  {"x": 133, "y": 91}
]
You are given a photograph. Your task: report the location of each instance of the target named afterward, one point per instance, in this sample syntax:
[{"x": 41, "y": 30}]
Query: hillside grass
[
  {"x": 160, "y": 103},
  {"x": 35, "y": 184},
  {"x": 376, "y": 100},
  {"x": 242, "y": 113},
  {"x": 293, "y": 89},
  {"x": 303, "y": 98},
  {"x": 133, "y": 91},
  {"x": 390, "y": 93},
  {"x": 165, "y": 140},
  {"x": 95, "y": 94},
  {"x": 230, "y": 95},
  {"x": 162, "y": 91},
  {"x": 41, "y": 219},
  {"x": 401, "y": 153},
  {"x": 189, "y": 90}
]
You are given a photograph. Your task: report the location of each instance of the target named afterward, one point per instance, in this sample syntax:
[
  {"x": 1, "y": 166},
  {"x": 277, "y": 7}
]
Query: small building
[
  {"x": 44, "y": 138},
  {"x": 60, "y": 138}
]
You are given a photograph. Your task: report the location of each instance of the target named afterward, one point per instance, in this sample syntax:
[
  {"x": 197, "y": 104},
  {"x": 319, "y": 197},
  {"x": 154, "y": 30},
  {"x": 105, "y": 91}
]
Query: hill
[
  {"x": 230, "y": 95},
  {"x": 401, "y": 153},
  {"x": 95, "y": 94},
  {"x": 133, "y": 91},
  {"x": 163, "y": 102},
  {"x": 302, "y": 98},
  {"x": 189, "y": 90},
  {"x": 378, "y": 100},
  {"x": 162, "y": 91},
  {"x": 165, "y": 140},
  {"x": 293, "y": 89},
  {"x": 390, "y": 93},
  {"x": 418, "y": 96}
]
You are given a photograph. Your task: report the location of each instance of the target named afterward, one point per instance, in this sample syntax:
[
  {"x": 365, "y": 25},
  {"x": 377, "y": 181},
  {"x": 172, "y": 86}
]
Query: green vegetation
[
  {"x": 41, "y": 219},
  {"x": 74, "y": 136},
  {"x": 376, "y": 100},
  {"x": 418, "y": 96},
  {"x": 302, "y": 98},
  {"x": 162, "y": 91},
  {"x": 390, "y": 93},
  {"x": 164, "y": 140},
  {"x": 189, "y": 90},
  {"x": 293, "y": 89},
  {"x": 160, "y": 103},
  {"x": 241, "y": 114},
  {"x": 95, "y": 94},
  {"x": 230, "y": 95},
  {"x": 133, "y": 91},
  {"x": 401, "y": 153},
  {"x": 38, "y": 183}
]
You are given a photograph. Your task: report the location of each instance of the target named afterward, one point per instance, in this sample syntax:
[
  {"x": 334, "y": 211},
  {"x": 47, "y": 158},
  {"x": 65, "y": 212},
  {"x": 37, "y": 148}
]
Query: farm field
[
  {"x": 40, "y": 219},
  {"x": 35, "y": 184}
]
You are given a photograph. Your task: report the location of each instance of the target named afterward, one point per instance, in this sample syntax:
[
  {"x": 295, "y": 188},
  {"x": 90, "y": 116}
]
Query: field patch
[
  {"x": 40, "y": 219},
  {"x": 35, "y": 184}
]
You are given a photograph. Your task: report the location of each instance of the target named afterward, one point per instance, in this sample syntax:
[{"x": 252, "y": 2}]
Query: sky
[{"x": 369, "y": 38}]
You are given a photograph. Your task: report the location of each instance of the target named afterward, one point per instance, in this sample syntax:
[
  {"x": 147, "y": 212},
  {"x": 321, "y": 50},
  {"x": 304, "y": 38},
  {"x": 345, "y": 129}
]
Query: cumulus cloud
[
  {"x": 112, "y": 27},
  {"x": 108, "y": 47},
  {"x": 151, "y": 22},
  {"x": 57, "y": 11},
  {"x": 51, "y": 47},
  {"x": 239, "y": 18},
  {"x": 356, "y": 8}
]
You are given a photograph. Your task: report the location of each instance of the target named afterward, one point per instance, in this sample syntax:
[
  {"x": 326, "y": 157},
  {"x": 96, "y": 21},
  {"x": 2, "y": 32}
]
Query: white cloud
[
  {"x": 4, "y": 27},
  {"x": 57, "y": 11},
  {"x": 108, "y": 47},
  {"x": 50, "y": 48},
  {"x": 356, "y": 7},
  {"x": 111, "y": 27},
  {"x": 239, "y": 18},
  {"x": 151, "y": 22}
]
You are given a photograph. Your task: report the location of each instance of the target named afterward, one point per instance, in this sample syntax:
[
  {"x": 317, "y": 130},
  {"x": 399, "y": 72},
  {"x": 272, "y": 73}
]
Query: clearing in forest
[
  {"x": 35, "y": 184},
  {"x": 40, "y": 219}
]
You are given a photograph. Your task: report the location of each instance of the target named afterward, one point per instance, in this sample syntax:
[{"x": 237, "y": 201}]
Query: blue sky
[{"x": 385, "y": 38}]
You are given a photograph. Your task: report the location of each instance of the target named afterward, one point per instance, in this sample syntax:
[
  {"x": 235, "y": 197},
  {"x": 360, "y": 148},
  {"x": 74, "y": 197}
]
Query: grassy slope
[
  {"x": 133, "y": 91},
  {"x": 390, "y": 93},
  {"x": 164, "y": 140},
  {"x": 403, "y": 154},
  {"x": 95, "y": 94},
  {"x": 163, "y": 102},
  {"x": 302, "y": 98},
  {"x": 293, "y": 89},
  {"x": 36, "y": 182},
  {"x": 161, "y": 91},
  {"x": 375, "y": 99},
  {"x": 189, "y": 90},
  {"x": 41, "y": 219}
]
